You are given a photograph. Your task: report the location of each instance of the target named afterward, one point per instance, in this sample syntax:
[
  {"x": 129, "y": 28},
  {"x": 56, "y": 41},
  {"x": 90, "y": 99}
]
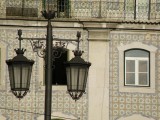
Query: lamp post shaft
[{"x": 48, "y": 72}]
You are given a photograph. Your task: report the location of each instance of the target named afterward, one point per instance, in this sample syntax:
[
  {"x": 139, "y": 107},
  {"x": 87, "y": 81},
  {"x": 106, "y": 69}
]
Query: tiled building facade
[{"x": 105, "y": 26}]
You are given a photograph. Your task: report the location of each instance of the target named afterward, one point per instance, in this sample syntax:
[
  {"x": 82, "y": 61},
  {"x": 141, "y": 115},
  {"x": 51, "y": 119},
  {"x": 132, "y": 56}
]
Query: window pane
[
  {"x": 130, "y": 78},
  {"x": 136, "y": 53},
  {"x": 158, "y": 5},
  {"x": 112, "y": 4},
  {"x": 129, "y": 6},
  {"x": 142, "y": 6},
  {"x": 143, "y": 79},
  {"x": 130, "y": 66},
  {"x": 143, "y": 66}
]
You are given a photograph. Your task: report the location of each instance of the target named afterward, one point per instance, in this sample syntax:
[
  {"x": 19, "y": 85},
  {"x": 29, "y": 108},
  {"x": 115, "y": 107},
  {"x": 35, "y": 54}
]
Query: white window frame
[
  {"x": 136, "y": 45},
  {"x": 137, "y": 59}
]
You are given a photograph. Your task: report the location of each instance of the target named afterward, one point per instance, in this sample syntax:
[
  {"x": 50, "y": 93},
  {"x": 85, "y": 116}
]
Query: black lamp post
[{"x": 20, "y": 69}]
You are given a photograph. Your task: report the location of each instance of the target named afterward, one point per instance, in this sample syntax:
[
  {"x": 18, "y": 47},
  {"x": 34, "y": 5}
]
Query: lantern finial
[{"x": 20, "y": 51}]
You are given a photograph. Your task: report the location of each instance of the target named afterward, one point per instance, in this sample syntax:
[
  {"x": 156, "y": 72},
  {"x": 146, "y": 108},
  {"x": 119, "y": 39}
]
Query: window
[
  {"x": 60, "y": 6},
  {"x": 22, "y": 8},
  {"x": 59, "y": 71},
  {"x": 138, "y": 9},
  {"x": 137, "y": 67}
]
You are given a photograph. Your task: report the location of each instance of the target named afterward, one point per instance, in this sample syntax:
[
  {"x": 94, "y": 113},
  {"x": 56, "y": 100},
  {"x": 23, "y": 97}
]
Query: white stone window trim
[
  {"x": 3, "y": 66},
  {"x": 137, "y": 45},
  {"x": 137, "y": 59}
]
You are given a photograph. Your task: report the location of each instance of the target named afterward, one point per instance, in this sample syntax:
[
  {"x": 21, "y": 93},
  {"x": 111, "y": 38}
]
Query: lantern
[
  {"x": 77, "y": 73},
  {"x": 20, "y": 69}
]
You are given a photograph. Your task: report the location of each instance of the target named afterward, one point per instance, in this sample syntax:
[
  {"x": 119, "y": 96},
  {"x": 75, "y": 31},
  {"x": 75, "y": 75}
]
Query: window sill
[
  {"x": 54, "y": 87},
  {"x": 134, "y": 89}
]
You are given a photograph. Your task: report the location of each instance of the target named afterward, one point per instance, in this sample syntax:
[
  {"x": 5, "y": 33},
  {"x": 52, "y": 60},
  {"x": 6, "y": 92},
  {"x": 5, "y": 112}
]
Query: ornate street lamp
[
  {"x": 77, "y": 73},
  {"x": 20, "y": 69}
]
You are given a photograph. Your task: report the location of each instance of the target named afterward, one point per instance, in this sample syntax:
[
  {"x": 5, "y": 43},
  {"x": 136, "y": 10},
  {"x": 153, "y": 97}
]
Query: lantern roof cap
[
  {"x": 20, "y": 57},
  {"x": 77, "y": 60}
]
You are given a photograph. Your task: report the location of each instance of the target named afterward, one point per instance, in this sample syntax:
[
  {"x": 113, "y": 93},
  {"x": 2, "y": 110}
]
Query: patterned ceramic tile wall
[
  {"x": 2, "y": 8},
  {"x": 26, "y": 108},
  {"x": 125, "y": 104}
]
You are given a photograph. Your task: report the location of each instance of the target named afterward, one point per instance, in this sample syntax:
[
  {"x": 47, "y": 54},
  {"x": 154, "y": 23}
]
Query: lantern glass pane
[
  {"x": 68, "y": 77},
  {"x": 82, "y": 78},
  {"x": 10, "y": 68},
  {"x": 17, "y": 75},
  {"x": 74, "y": 77},
  {"x": 25, "y": 75},
  {"x": 29, "y": 76}
]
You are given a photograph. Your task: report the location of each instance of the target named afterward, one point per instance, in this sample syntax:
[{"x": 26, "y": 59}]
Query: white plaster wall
[{"x": 98, "y": 91}]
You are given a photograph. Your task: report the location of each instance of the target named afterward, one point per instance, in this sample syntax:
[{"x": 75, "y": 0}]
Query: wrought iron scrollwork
[
  {"x": 38, "y": 46},
  {"x": 59, "y": 45}
]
